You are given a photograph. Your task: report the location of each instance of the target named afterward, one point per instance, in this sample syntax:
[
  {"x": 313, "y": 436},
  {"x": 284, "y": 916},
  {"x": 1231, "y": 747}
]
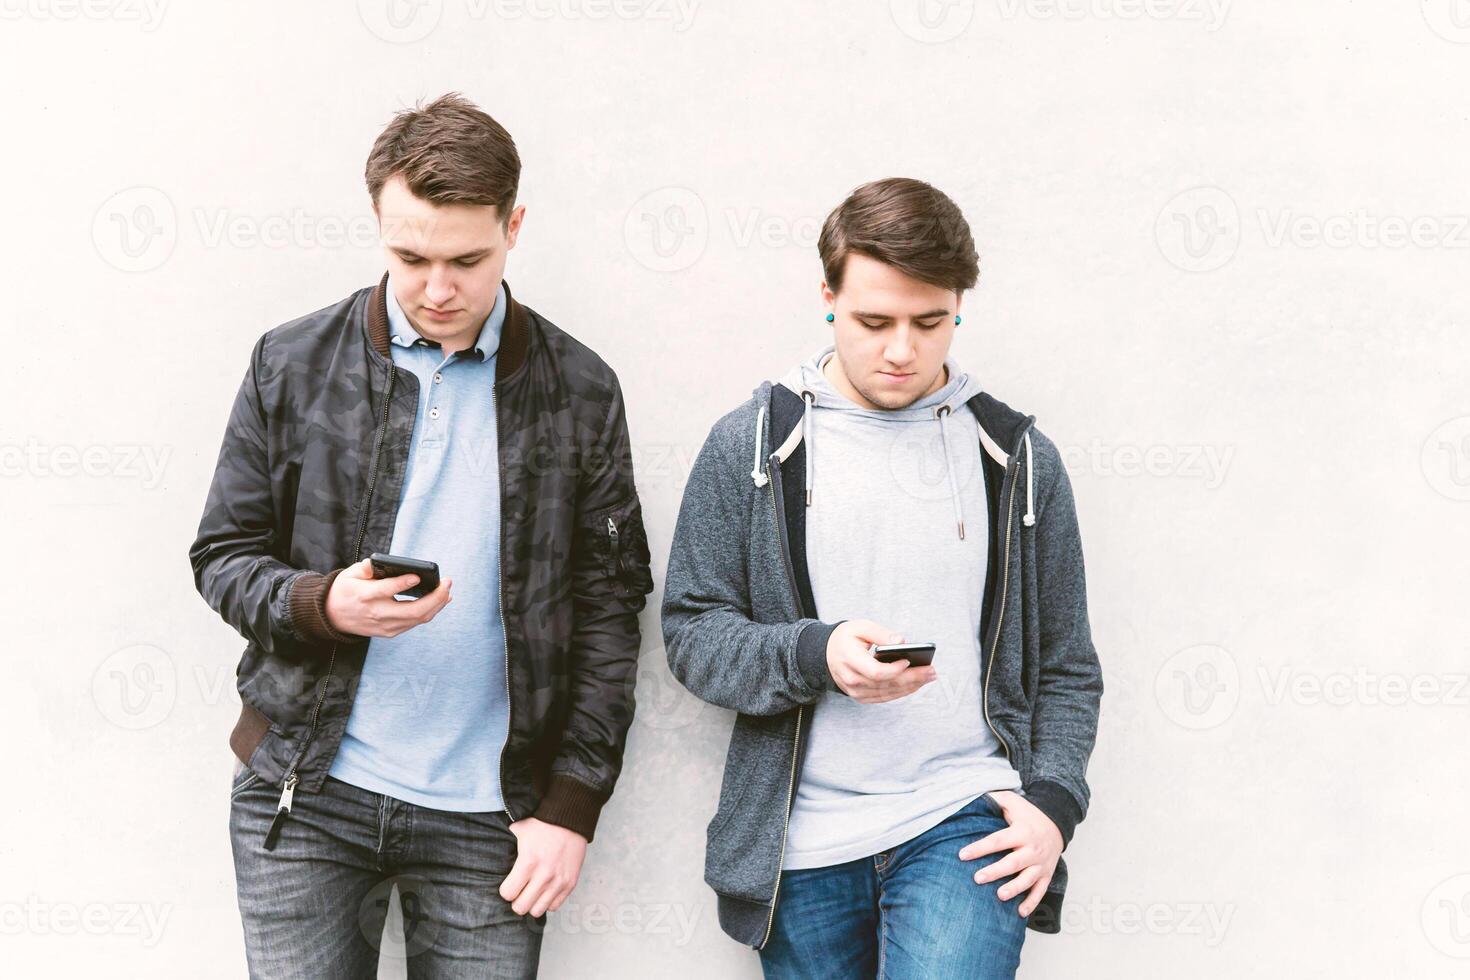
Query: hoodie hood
[
  {"x": 811, "y": 385},
  {"x": 808, "y": 377}
]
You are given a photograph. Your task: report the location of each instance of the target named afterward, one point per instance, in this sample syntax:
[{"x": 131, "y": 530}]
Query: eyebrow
[
  {"x": 884, "y": 316},
  {"x": 458, "y": 258}
]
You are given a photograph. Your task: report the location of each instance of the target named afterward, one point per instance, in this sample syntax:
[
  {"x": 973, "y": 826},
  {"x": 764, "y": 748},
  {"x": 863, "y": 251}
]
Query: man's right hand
[
  {"x": 860, "y": 675},
  {"x": 363, "y": 605}
]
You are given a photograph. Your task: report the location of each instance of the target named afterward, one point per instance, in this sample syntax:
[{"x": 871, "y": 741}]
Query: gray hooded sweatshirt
[
  {"x": 742, "y": 631},
  {"x": 897, "y": 532}
]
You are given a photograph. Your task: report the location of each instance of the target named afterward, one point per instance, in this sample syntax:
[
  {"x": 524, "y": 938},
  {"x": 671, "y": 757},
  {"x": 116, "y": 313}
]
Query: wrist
[
  {"x": 811, "y": 655},
  {"x": 571, "y": 804},
  {"x": 1057, "y": 804},
  {"x": 306, "y": 605}
]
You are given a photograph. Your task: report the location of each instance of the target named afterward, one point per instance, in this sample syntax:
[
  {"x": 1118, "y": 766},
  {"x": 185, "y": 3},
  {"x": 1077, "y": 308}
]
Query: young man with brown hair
[
  {"x": 461, "y": 751},
  {"x": 900, "y": 819}
]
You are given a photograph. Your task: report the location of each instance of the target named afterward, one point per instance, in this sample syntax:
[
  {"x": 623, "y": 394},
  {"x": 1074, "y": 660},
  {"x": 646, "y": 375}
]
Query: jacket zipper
[
  {"x": 1001, "y": 597},
  {"x": 773, "y": 477},
  {"x": 288, "y": 791},
  {"x": 504, "y": 632}
]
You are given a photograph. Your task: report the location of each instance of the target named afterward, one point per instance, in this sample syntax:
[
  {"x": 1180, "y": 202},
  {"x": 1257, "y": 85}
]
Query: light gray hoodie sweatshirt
[{"x": 897, "y": 532}]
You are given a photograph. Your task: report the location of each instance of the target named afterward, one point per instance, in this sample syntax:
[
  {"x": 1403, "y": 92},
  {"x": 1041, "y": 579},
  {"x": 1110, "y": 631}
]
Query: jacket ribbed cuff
[
  {"x": 1059, "y": 805},
  {"x": 306, "y": 607},
  {"x": 572, "y": 804},
  {"x": 811, "y": 655}
]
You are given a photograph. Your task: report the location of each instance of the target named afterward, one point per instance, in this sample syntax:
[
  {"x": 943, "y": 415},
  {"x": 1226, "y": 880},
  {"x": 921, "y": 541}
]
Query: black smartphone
[
  {"x": 917, "y": 654},
  {"x": 391, "y": 566}
]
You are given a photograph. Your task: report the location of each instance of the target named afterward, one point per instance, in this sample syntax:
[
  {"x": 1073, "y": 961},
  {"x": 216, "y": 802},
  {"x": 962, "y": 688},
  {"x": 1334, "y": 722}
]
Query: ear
[
  {"x": 513, "y": 226},
  {"x": 829, "y": 298}
]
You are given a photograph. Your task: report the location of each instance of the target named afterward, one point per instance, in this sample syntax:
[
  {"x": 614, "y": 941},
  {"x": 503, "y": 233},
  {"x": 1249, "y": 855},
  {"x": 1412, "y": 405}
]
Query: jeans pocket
[
  {"x": 990, "y": 806},
  {"x": 243, "y": 780}
]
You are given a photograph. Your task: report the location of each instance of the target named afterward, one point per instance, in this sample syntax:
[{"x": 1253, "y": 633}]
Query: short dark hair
[
  {"x": 448, "y": 152},
  {"x": 905, "y": 223}
]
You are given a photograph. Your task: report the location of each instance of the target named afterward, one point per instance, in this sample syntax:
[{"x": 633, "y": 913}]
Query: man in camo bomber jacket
[{"x": 460, "y": 752}]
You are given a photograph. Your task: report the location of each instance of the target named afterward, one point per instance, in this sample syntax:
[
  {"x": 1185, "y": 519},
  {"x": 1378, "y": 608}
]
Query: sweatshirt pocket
[{"x": 743, "y": 839}]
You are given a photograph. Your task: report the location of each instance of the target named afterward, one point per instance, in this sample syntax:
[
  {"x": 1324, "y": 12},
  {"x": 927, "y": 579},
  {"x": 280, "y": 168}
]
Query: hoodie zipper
[
  {"x": 1001, "y": 597},
  {"x": 288, "y": 791},
  {"x": 773, "y": 477}
]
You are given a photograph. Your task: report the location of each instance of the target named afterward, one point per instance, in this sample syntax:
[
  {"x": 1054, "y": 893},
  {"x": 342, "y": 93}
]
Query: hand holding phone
[
  {"x": 861, "y": 675},
  {"x": 363, "y": 605}
]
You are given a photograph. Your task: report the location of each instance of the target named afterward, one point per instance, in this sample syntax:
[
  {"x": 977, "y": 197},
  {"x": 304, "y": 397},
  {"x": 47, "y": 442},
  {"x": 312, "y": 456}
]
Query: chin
[{"x": 889, "y": 399}]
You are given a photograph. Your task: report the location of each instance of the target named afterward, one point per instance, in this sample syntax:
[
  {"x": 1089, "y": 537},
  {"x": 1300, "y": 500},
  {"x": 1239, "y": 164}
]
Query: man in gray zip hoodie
[{"x": 893, "y": 819}]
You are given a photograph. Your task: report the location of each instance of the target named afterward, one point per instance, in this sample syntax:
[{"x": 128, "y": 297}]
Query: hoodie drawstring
[
  {"x": 954, "y": 487},
  {"x": 804, "y": 434},
  {"x": 756, "y": 473},
  {"x": 1030, "y": 516},
  {"x": 809, "y": 398}
]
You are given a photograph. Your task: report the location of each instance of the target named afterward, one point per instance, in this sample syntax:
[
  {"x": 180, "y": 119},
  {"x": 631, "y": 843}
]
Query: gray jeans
[{"x": 316, "y": 906}]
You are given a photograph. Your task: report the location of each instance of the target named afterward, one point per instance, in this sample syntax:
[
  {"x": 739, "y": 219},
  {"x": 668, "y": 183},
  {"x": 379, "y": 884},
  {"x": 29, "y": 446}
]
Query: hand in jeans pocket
[{"x": 1034, "y": 843}]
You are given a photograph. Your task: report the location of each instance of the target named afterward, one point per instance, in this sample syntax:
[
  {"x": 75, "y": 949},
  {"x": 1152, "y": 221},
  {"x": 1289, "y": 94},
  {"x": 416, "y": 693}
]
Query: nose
[
  {"x": 899, "y": 350},
  {"x": 439, "y": 289}
]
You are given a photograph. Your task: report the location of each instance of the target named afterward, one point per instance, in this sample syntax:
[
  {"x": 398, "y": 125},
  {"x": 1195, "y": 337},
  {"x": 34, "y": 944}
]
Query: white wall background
[{"x": 1224, "y": 263}]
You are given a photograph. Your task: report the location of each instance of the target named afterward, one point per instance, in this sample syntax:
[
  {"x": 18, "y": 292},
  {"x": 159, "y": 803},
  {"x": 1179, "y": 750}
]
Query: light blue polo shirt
[{"x": 431, "y": 712}]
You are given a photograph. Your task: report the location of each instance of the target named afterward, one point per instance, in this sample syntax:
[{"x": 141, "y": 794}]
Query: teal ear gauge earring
[
  {"x": 831, "y": 317},
  {"x": 956, "y": 319}
]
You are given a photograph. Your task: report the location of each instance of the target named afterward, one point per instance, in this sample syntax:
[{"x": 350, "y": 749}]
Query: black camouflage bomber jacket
[{"x": 308, "y": 481}]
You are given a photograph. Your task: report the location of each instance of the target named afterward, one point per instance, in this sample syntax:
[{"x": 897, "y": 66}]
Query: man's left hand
[
  {"x": 548, "y": 862},
  {"x": 1035, "y": 845}
]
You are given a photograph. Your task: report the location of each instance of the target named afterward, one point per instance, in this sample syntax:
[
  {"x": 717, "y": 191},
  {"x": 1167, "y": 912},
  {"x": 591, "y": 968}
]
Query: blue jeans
[
  {"x": 316, "y": 906},
  {"x": 912, "y": 911}
]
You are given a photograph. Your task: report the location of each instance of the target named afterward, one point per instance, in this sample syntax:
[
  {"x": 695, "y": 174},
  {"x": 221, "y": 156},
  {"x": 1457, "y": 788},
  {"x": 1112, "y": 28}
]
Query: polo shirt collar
[{"x": 487, "y": 343}]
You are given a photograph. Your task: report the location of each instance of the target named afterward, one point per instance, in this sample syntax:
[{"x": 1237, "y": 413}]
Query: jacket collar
[{"x": 515, "y": 336}]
